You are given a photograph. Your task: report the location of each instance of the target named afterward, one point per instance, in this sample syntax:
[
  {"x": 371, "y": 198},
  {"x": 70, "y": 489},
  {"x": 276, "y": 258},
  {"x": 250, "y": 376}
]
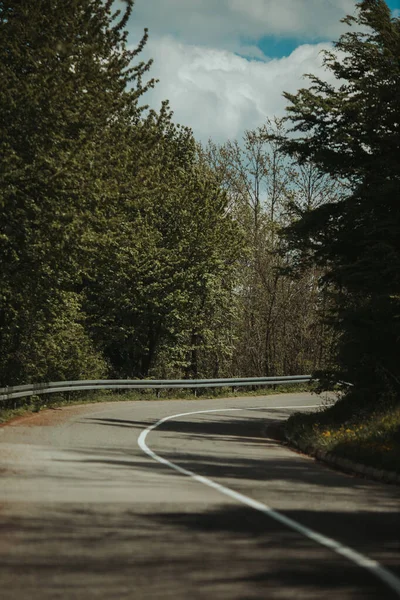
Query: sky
[{"x": 224, "y": 64}]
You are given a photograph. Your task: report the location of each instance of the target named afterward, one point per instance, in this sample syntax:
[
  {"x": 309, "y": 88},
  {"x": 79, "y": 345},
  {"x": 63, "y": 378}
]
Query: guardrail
[{"x": 53, "y": 387}]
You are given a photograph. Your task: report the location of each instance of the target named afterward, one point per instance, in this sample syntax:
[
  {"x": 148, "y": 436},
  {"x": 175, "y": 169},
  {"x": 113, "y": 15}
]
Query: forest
[{"x": 130, "y": 250}]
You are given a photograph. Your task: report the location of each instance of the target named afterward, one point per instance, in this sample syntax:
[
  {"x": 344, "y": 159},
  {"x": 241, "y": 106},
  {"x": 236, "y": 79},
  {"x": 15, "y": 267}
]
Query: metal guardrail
[{"x": 53, "y": 387}]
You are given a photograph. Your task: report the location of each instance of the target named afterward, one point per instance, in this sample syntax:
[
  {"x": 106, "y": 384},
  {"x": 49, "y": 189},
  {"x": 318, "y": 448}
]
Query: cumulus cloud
[
  {"x": 208, "y": 55},
  {"x": 228, "y": 23},
  {"x": 220, "y": 94}
]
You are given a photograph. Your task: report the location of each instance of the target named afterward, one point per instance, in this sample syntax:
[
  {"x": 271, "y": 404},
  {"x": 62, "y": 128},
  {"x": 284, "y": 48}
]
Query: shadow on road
[
  {"x": 214, "y": 550},
  {"x": 136, "y": 552},
  {"x": 229, "y": 447}
]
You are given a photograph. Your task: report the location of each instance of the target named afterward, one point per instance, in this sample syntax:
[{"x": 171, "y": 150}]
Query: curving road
[{"x": 141, "y": 500}]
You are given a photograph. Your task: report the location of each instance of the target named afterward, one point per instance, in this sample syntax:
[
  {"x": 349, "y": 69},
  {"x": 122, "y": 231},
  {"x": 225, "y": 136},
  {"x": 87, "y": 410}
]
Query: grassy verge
[
  {"x": 34, "y": 404},
  {"x": 363, "y": 434}
]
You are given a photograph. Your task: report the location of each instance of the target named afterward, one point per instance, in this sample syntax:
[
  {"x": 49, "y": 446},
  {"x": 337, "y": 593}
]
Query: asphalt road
[{"x": 205, "y": 507}]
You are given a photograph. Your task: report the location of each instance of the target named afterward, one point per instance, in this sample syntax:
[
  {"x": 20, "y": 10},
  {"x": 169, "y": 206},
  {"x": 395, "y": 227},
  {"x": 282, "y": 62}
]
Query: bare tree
[{"x": 277, "y": 328}]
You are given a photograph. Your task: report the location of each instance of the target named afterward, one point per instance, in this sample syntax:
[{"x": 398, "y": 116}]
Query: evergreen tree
[
  {"x": 64, "y": 71},
  {"x": 351, "y": 130}
]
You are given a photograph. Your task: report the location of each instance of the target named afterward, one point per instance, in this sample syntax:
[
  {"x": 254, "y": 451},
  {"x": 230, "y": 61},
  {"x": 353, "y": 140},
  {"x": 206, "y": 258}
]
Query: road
[{"x": 96, "y": 502}]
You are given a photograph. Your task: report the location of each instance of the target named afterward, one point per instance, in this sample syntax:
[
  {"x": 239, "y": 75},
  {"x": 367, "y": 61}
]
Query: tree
[
  {"x": 351, "y": 131},
  {"x": 158, "y": 303},
  {"x": 276, "y": 318},
  {"x": 65, "y": 70},
  {"x": 116, "y": 246}
]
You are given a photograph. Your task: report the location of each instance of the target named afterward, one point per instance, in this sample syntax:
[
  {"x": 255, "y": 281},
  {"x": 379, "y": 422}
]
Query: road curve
[{"x": 126, "y": 500}]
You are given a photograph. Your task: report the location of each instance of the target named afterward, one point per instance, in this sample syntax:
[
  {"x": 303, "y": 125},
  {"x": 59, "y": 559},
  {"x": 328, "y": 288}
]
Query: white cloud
[
  {"x": 220, "y": 94},
  {"x": 196, "y": 46},
  {"x": 226, "y": 23}
]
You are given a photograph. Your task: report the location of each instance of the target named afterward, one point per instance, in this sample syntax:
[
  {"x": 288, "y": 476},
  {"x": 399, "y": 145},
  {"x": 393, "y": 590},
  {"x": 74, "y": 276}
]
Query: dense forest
[{"x": 129, "y": 250}]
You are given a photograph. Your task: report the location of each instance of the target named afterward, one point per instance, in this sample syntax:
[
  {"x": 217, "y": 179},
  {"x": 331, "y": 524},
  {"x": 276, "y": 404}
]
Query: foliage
[
  {"x": 350, "y": 130},
  {"x": 64, "y": 68},
  {"x": 115, "y": 245},
  {"x": 128, "y": 250},
  {"x": 165, "y": 265},
  {"x": 365, "y": 435}
]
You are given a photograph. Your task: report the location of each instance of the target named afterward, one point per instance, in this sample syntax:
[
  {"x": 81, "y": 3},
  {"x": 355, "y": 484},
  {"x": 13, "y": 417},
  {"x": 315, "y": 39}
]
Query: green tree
[
  {"x": 66, "y": 79},
  {"x": 158, "y": 302},
  {"x": 351, "y": 131}
]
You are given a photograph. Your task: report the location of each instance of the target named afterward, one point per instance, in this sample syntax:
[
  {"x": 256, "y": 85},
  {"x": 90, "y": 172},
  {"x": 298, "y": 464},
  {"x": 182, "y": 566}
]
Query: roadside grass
[
  {"x": 364, "y": 434},
  {"x": 24, "y": 406}
]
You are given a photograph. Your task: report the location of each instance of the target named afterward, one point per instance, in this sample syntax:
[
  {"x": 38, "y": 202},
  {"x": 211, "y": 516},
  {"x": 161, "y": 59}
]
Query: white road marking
[{"x": 359, "y": 559}]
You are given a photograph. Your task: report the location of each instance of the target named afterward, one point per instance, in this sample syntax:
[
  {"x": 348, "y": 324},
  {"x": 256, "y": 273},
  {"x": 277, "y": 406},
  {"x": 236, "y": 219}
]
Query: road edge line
[{"x": 357, "y": 558}]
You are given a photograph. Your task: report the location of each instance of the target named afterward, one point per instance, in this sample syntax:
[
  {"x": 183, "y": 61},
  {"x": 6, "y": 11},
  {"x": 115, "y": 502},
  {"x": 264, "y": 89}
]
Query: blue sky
[
  {"x": 224, "y": 64},
  {"x": 277, "y": 46}
]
